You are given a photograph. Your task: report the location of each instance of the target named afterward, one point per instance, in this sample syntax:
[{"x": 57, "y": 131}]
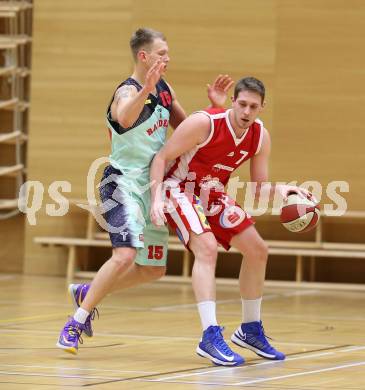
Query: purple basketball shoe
[
  {"x": 70, "y": 336},
  {"x": 78, "y": 293}
]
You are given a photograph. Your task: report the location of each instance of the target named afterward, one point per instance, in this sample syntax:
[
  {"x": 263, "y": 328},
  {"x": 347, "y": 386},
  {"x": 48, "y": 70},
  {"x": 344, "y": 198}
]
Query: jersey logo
[
  {"x": 158, "y": 124},
  {"x": 209, "y": 182},
  {"x": 218, "y": 167},
  {"x": 148, "y": 101},
  {"x": 232, "y": 217},
  {"x": 165, "y": 98},
  {"x": 124, "y": 235}
]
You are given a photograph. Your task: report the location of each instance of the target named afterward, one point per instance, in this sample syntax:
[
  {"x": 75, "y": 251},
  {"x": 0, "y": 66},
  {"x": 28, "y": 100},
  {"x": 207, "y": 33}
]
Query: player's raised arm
[
  {"x": 128, "y": 103},
  {"x": 193, "y": 131}
]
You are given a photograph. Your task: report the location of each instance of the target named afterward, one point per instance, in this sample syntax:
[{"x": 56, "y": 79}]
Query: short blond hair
[{"x": 143, "y": 37}]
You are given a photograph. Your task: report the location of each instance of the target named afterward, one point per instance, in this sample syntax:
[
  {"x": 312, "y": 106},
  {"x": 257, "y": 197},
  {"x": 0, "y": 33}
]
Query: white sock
[
  {"x": 207, "y": 314},
  {"x": 251, "y": 310},
  {"x": 81, "y": 315}
]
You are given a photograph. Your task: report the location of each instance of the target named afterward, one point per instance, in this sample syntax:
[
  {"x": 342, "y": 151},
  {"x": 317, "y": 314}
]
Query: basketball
[{"x": 299, "y": 214}]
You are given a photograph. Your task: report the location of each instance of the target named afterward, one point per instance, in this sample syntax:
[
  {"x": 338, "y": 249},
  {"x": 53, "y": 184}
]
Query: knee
[
  {"x": 263, "y": 251},
  {"x": 206, "y": 250},
  {"x": 123, "y": 258},
  {"x": 259, "y": 251},
  {"x": 153, "y": 273}
]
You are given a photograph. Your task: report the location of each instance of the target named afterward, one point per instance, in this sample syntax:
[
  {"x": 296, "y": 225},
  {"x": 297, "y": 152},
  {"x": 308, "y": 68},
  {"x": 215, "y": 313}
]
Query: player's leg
[
  {"x": 204, "y": 248},
  {"x": 120, "y": 261},
  {"x": 253, "y": 268},
  {"x": 190, "y": 223},
  {"x": 135, "y": 275},
  {"x": 150, "y": 263},
  {"x": 125, "y": 230},
  {"x": 250, "y": 334},
  {"x": 232, "y": 226},
  {"x": 138, "y": 274},
  {"x": 107, "y": 275}
]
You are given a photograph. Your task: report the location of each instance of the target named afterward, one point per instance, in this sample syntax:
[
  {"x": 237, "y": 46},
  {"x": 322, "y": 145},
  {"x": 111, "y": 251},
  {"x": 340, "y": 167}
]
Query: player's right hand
[
  {"x": 157, "y": 214},
  {"x": 153, "y": 75}
]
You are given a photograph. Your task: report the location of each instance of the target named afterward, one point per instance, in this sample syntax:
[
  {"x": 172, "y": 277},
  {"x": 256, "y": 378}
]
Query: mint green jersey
[{"x": 133, "y": 148}]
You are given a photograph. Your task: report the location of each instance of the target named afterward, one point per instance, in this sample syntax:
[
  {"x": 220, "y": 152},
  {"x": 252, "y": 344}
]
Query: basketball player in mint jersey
[
  {"x": 202, "y": 154},
  {"x": 138, "y": 116}
]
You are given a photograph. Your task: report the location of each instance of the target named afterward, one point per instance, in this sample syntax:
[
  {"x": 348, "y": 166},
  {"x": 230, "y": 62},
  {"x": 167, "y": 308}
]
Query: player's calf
[{"x": 151, "y": 273}]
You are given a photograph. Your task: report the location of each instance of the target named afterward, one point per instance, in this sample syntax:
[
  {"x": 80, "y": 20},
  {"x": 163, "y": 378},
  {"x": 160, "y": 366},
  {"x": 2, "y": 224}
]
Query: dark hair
[
  {"x": 250, "y": 84},
  {"x": 143, "y": 37}
]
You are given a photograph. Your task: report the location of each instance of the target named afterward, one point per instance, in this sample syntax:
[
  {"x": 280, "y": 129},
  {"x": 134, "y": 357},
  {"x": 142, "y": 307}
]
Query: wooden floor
[{"x": 146, "y": 338}]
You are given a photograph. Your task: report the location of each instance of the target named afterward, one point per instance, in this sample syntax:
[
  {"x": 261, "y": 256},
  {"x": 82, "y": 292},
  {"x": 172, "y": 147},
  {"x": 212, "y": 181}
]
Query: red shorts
[{"x": 221, "y": 215}]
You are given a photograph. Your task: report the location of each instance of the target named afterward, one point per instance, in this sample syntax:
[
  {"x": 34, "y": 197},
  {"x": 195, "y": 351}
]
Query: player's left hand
[
  {"x": 153, "y": 76},
  {"x": 157, "y": 213},
  {"x": 217, "y": 93},
  {"x": 285, "y": 190}
]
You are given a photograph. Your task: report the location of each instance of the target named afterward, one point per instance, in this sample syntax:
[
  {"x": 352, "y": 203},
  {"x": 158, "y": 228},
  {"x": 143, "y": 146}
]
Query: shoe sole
[
  {"x": 71, "y": 350},
  {"x": 216, "y": 361},
  {"x": 75, "y": 304},
  {"x": 236, "y": 340}
]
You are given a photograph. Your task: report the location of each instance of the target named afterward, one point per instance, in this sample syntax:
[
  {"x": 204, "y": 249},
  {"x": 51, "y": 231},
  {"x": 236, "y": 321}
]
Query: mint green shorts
[
  {"x": 126, "y": 214},
  {"x": 155, "y": 246}
]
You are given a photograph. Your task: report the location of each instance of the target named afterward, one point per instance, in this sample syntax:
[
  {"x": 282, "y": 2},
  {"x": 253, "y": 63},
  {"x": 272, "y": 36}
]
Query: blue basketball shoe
[
  {"x": 251, "y": 335},
  {"x": 78, "y": 293},
  {"x": 213, "y": 347},
  {"x": 70, "y": 336}
]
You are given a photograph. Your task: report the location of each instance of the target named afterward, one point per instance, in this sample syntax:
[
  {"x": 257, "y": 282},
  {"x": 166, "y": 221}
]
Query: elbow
[{"x": 124, "y": 122}]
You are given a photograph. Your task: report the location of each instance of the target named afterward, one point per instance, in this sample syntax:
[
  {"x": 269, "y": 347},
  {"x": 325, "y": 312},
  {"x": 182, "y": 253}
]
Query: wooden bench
[
  {"x": 301, "y": 250},
  {"x": 283, "y": 248}
]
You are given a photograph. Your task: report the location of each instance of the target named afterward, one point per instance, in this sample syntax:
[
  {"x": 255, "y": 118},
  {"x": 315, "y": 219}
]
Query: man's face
[
  {"x": 157, "y": 50},
  {"x": 246, "y": 108}
]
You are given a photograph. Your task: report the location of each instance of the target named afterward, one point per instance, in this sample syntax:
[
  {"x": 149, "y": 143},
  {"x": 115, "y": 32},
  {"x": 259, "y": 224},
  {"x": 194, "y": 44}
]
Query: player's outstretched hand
[
  {"x": 153, "y": 75},
  {"x": 217, "y": 93},
  {"x": 157, "y": 213}
]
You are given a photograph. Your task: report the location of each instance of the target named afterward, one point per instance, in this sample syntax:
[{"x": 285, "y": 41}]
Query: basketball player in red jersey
[{"x": 199, "y": 158}]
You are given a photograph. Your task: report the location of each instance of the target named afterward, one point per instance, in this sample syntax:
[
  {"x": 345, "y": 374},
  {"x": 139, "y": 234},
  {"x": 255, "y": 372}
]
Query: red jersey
[{"x": 211, "y": 163}]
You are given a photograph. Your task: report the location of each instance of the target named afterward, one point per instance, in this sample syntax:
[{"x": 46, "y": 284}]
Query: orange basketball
[{"x": 299, "y": 214}]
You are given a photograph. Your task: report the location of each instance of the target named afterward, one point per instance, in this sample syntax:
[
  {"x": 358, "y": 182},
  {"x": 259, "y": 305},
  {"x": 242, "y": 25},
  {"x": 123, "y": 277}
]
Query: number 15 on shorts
[{"x": 155, "y": 252}]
